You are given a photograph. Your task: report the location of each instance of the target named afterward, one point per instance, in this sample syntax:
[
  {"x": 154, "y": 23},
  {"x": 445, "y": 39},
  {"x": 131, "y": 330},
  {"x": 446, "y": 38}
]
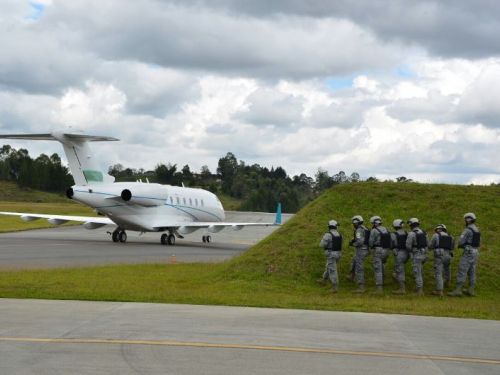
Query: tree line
[
  {"x": 258, "y": 188},
  {"x": 43, "y": 173}
]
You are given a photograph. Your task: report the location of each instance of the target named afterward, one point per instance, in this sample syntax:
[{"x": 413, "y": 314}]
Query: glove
[{"x": 351, "y": 243}]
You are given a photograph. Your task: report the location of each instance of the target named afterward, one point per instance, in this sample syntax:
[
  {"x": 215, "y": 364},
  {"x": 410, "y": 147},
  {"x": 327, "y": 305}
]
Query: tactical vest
[
  {"x": 444, "y": 242},
  {"x": 476, "y": 239},
  {"x": 401, "y": 240},
  {"x": 385, "y": 239},
  {"x": 421, "y": 239},
  {"x": 336, "y": 243},
  {"x": 367, "y": 235}
]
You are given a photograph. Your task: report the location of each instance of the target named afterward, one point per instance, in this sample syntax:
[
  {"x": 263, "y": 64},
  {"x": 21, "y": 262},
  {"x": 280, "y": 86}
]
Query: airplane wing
[
  {"x": 89, "y": 222},
  {"x": 214, "y": 227}
]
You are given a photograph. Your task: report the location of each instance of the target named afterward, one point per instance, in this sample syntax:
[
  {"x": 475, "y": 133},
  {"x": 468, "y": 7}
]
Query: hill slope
[{"x": 292, "y": 255}]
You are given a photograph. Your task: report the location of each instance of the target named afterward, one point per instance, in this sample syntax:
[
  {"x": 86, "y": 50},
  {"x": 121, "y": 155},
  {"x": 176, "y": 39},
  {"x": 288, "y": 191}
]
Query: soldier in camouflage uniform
[
  {"x": 416, "y": 244},
  {"x": 442, "y": 244},
  {"x": 380, "y": 242},
  {"x": 332, "y": 243},
  {"x": 470, "y": 241},
  {"x": 361, "y": 251},
  {"x": 401, "y": 255}
]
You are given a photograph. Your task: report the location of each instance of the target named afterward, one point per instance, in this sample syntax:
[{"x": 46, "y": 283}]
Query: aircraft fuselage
[{"x": 144, "y": 206}]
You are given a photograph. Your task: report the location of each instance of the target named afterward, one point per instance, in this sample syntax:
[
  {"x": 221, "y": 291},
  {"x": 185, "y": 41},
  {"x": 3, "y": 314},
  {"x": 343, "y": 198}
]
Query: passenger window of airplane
[
  {"x": 202, "y": 204},
  {"x": 178, "y": 200},
  {"x": 171, "y": 200},
  {"x": 184, "y": 199},
  {"x": 196, "y": 201},
  {"x": 190, "y": 202}
]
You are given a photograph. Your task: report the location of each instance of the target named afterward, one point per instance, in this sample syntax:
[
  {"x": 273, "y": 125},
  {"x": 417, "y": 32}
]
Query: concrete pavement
[{"x": 61, "y": 337}]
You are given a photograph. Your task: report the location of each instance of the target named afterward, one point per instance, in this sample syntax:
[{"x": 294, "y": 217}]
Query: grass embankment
[{"x": 281, "y": 270}]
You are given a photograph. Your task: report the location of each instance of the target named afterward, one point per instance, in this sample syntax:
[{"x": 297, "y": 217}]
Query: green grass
[
  {"x": 281, "y": 270},
  {"x": 10, "y": 192},
  {"x": 230, "y": 203}
]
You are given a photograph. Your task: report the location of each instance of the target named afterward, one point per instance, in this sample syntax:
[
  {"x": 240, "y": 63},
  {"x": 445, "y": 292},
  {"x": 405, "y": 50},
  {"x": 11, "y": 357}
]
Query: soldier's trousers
[
  {"x": 380, "y": 256},
  {"x": 468, "y": 266},
  {"x": 418, "y": 258},
  {"x": 400, "y": 258},
  {"x": 358, "y": 263},
  {"x": 332, "y": 258},
  {"x": 442, "y": 261}
]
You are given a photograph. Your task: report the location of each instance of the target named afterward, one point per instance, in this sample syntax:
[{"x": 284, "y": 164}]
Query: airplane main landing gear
[
  {"x": 207, "y": 239},
  {"x": 122, "y": 236},
  {"x": 167, "y": 239},
  {"x": 119, "y": 236}
]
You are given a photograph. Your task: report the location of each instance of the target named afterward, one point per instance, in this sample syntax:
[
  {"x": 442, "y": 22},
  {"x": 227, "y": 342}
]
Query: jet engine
[{"x": 145, "y": 195}]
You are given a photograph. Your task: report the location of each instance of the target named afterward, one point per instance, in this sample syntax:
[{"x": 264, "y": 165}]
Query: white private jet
[{"x": 135, "y": 206}]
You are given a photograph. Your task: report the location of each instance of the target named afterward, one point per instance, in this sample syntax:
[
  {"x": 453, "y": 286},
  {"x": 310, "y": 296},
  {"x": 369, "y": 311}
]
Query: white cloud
[{"x": 186, "y": 82}]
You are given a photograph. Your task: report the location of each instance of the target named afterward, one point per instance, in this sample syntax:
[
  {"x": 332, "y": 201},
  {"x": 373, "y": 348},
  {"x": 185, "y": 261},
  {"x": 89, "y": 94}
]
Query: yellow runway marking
[{"x": 254, "y": 347}]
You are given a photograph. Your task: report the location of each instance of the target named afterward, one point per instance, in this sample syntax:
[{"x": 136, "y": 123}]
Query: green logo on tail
[{"x": 93, "y": 176}]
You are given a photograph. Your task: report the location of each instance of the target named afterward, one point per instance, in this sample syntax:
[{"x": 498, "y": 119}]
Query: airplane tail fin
[{"x": 82, "y": 163}]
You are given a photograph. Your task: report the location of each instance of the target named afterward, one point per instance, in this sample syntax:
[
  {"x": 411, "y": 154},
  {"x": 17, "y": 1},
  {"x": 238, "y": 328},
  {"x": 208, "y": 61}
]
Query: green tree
[{"x": 227, "y": 168}]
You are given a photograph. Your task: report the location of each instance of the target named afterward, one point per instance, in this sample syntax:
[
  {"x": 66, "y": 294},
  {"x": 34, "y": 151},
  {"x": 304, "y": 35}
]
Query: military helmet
[
  {"x": 469, "y": 216},
  {"x": 441, "y": 226},
  {"x": 376, "y": 220},
  {"x": 332, "y": 224},
  {"x": 398, "y": 223},
  {"x": 413, "y": 221},
  {"x": 357, "y": 219}
]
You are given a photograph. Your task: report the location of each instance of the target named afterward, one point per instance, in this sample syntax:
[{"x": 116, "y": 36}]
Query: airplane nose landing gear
[{"x": 207, "y": 239}]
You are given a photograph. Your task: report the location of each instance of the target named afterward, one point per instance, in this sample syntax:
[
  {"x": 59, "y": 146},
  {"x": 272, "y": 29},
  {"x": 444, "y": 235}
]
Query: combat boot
[
  {"x": 438, "y": 293},
  {"x": 395, "y": 277},
  {"x": 321, "y": 282},
  {"x": 401, "y": 290},
  {"x": 470, "y": 291},
  {"x": 379, "y": 290},
  {"x": 457, "y": 292},
  {"x": 350, "y": 277},
  {"x": 361, "y": 289},
  {"x": 335, "y": 289},
  {"x": 419, "y": 292}
]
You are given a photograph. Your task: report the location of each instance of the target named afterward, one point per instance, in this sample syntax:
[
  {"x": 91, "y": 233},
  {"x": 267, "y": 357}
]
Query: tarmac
[
  {"x": 75, "y": 337},
  {"x": 78, "y": 337},
  {"x": 76, "y": 246}
]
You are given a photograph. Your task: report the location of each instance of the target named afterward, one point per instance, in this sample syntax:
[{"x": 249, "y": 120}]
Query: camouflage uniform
[
  {"x": 380, "y": 254},
  {"x": 401, "y": 255},
  {"x": 442, "y": 258},
  {"x": 468, "y": 261},
  {"x": 418, "y": 254},
  {"x": 332, "y": 256},
  {"x": 361, "y": 251}
]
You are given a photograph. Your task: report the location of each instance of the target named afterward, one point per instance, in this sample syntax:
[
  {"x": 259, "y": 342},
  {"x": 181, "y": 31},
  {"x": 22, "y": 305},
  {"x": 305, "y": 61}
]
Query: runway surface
[
  {"x": 73, "y": 337},
  {"x": 77, "y": 246}
]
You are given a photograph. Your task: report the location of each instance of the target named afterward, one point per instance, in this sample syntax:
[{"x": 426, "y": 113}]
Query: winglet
[{"x": 278, "y": 215}]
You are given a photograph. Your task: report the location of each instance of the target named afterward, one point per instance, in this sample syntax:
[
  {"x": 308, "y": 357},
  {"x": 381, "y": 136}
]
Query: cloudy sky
[{"x": 385, "y": 88}]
